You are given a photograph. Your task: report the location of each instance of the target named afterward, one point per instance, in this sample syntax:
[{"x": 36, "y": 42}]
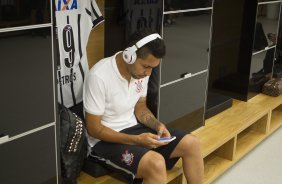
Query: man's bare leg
[
  {"x": 152, "y": 168},
  {"x": 193, "y": 166}
]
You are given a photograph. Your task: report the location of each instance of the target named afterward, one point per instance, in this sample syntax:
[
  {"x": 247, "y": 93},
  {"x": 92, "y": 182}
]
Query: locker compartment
[
  {"x": 27, "y": 95},
  {"x": 24, "y": 13},
  {"x": 182, "y": 103},
  {"x": 187, "y": 43},
  {"x": 29, "y": 159}
]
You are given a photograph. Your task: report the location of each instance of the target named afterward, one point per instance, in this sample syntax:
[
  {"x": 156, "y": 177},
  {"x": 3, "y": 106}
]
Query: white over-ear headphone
[{"x": 129, "y": 54}]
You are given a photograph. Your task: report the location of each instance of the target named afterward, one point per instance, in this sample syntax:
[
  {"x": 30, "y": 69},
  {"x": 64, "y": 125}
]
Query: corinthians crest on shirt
[
  {"x": 127, "y": 158},
  {"x": 139, "y": 86}
]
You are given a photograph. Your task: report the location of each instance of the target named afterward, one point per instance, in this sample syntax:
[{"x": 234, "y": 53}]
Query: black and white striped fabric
[{"x": 74, "y": 21}]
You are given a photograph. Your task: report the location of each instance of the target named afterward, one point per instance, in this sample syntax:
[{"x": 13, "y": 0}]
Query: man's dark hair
[{"x": 156, "y": 47}]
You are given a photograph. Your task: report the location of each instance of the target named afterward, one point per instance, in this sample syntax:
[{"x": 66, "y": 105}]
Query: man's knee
[
  {"x": 151, "y": 163},
  {"x": 192, "y": 143}
]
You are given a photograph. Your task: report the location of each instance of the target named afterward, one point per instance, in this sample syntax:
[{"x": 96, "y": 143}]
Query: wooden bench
[
  {"x": 225, "y": 138},
  {"x": 174, "y": 177},
  {"x": 230, "y": 135}
]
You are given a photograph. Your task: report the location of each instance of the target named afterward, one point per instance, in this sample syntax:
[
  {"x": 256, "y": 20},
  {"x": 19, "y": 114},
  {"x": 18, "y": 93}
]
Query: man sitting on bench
[{"x": 122, "y": 132}]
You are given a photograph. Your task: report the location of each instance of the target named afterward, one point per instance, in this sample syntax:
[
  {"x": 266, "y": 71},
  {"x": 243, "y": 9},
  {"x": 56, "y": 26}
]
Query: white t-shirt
[
  {"x": 74, "y": 21},
  {"x": 108, "y": 94}
]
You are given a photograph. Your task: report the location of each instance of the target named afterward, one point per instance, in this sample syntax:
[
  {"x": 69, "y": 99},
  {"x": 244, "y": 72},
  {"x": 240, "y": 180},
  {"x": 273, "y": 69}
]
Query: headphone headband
[
  {"x": 129, "y": 54},
  {"x": 147, "y": 39}
]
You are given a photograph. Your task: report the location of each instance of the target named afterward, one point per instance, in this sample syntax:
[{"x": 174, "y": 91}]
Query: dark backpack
[{"x": 73, "y": 144}]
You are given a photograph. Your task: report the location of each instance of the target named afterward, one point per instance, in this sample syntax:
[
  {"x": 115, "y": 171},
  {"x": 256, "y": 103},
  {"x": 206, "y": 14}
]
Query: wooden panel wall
[{"x": 95, "y": 46}]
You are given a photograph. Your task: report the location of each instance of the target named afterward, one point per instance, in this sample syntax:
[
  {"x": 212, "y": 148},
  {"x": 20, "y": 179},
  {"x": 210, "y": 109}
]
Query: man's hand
[
  {"x": 162, "y": 130},
  {"x": 150, "y": 140}
]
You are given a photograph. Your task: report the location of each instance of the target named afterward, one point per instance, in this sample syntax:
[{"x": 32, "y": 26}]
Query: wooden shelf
[
  {"x": 276, "y": 118},
  {"x": 246, "y": 141},
  {"x": 219, "y": 160},
  {"x": 251, "y": 136},
  {"x": 215, "y": 166},
  {"x": 231, "y": 134},
  {"x": 227, "y": 124}
]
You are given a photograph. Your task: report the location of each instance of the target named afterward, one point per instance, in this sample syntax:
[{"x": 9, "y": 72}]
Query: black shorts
[{"x": 124, "y": 158}]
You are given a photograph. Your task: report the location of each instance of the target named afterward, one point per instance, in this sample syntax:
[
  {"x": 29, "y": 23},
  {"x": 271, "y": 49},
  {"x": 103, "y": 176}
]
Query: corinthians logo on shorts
[{"x": 127, "y": 158}]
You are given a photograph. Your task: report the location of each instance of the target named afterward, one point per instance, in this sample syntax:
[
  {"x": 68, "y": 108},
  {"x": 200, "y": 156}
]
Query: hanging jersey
[
  {"x": 143, "y": 14},
  {"x": 74, "y": 21}
]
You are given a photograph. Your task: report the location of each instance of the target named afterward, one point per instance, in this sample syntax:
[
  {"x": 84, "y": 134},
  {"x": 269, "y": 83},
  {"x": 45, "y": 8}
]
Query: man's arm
[
  {"x": 146, "y": 117},
  {"x": 99, "y": 131}
]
